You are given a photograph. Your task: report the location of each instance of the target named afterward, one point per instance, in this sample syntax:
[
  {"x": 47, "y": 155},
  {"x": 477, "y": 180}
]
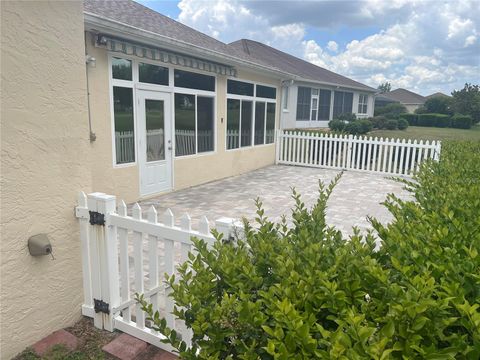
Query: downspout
[{"x": 90, "y": 61}]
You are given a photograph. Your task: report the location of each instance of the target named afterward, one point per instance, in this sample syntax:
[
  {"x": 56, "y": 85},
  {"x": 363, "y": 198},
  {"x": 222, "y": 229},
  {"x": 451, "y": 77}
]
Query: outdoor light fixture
[
  {"x": 90, "y": 60},
  {"x": 102, "y": 40}
]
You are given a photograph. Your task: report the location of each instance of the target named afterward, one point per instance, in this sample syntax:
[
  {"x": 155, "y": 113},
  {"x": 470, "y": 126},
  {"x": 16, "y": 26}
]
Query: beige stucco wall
[
  {"x": 187, "y": 171},
  {"x": 44, "y": 163}
]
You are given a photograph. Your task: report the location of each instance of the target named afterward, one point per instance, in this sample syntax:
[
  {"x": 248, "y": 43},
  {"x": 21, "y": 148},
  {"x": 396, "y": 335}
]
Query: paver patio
[{"x": 355, "y": 196}]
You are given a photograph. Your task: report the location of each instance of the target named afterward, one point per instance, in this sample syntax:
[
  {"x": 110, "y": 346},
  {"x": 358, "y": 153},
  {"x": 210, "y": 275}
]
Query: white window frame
[
  {"x": 314, "y": 97},
  {"x": 135, "y": 85},
  {"x": 362, "y": 104},
  {"x": 253, "y": 99}
]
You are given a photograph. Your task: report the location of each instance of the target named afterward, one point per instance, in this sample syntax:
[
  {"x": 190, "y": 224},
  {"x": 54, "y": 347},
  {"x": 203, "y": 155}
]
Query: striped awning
[{"x": 152, "y": 53}]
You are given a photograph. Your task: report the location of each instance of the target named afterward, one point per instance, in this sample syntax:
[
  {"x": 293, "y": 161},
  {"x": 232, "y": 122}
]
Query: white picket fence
[
  {"x": 389, "y": 156},
  {"x": 111, "y": 278}
]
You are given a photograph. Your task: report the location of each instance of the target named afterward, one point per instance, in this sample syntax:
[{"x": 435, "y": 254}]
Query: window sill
[
  {"x": 250, "y": 147},
  {"x": 193, "y": 156}
]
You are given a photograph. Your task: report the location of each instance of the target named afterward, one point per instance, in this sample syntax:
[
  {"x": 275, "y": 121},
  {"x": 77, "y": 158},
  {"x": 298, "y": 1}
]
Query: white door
[{"x": 154, "y": 141}]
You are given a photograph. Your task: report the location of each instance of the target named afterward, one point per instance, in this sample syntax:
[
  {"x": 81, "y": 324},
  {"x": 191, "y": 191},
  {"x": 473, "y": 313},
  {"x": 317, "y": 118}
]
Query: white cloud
[
  {"x": 424, "y": 48},
  {"x": 332, "y": 46}
]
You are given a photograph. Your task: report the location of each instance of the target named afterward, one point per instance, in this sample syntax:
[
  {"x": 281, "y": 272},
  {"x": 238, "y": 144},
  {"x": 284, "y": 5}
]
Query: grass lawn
[{"x": 430, "y": 133}]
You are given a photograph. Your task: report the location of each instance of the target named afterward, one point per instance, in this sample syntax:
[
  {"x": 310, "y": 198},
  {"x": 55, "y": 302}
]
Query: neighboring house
[
  {"x": 114, "y": 97},
  {"x": 437, "y": 94},
  {"x": 311, "y": 95},
  {"x": 381, "y": 100},
  {"x": 409, "y": 99}
]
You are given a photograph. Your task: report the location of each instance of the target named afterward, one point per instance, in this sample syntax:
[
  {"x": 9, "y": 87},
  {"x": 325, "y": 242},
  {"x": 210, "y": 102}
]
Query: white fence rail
[
  {"x": 127, "y": 255},
  {"x": 390, "y": 156}
]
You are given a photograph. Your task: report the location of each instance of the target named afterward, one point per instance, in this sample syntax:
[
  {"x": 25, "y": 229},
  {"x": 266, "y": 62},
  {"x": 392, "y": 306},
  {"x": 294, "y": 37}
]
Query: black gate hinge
[
  {"x": 101, "y": 306},
  {"x": 96, "y": 218}
]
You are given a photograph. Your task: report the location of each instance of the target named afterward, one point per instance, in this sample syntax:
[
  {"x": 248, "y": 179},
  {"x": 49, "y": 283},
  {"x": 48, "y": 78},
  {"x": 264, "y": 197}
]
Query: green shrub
[
  {"x": 439, "y": 104},
  {"x": 462, "y": 121},
  {"x": 365, "y": 125},
  {"x": 379, "y": 122},
  {"x": 306, "y": 292},
  {"x": 337, "y": 125},
  {"x": 421, "y": 110},
  {"x": 391, "y": 111},
  {"x": 434, "y": 120},
  {"x": 346, "y": 117},
  {"x": 411, "y": 118},
  {"x": 402, "y": 124},
  {"x": 391, "y": 124}
]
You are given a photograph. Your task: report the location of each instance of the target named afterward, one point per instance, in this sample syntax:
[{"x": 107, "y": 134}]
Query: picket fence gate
[
  {"x": 348, "y": 152},
  {"x": 110, "y": 239}
]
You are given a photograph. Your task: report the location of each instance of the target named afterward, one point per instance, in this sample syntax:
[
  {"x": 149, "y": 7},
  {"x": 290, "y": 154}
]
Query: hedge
[
  {"x": 411, "y": 118},
  {"x": 308, "y": 292},
  {"x": 433, "y": 120},
  {"x": 462, "y": 121}
]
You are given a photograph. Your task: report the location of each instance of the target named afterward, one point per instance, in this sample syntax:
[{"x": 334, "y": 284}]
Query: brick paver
[{"x": 60, "y": 337}]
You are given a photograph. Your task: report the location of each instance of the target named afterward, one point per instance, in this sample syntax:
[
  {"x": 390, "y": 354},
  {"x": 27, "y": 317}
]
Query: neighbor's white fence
[
  {"x": 390, "y": 156},
  {"x": 127, "y": 255}
]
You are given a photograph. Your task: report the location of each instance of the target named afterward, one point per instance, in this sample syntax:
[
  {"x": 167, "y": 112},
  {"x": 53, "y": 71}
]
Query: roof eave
[
  {"x": 359, "y": 88},
  {"x": 94, "y": 22}
]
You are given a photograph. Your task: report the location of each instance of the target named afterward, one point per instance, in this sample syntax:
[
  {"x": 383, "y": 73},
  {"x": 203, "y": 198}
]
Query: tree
[
  {"x": 467, "y": 101},
  {"x": 385, "y": 87},
  {"x": 439, "y": 105}
]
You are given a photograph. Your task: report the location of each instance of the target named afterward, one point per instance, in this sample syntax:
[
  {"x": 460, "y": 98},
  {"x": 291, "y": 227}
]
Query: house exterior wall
[
  {"x": 188, "y": 171},
  {"x": 289, "y": 117},
  {"x": 45, "y": 162},
  {"x": 412, "y": 107}
]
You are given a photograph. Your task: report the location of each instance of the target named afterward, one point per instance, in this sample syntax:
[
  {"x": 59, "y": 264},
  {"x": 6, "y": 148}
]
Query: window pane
[
  {"x": 348, "y": 103},
  {"x": 337, "y": 103},
  {"x": 239, "y": 88},
  {"x": 324, "y": 105},
  {"x": 266, "y": 92},
  {"x": 153, "y": 74},
  {"x": 270, "y": 134},
  {"x": 155, "y": 129},
  {"x": 285, "y": 98},
  {"x": 246, "y": 138},
  {"x": 233, "y": 123},
  {"x": 314, "y": 91},
  {"x": 121, "y": 69},
  {"x": 187, "y": 79},
  {"x": 205, "y": 122},
  {"x": 303, "y": 103},
  {"x": 314, "y": 108},
  {"x": 184, "y": 124},
  {"x": 124, "y": 129},
  {"x": 259, "y": 123}
]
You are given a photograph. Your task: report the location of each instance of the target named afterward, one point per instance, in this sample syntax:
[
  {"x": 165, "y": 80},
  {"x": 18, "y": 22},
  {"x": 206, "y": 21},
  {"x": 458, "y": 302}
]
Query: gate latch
[
  {"x": 101, "y": 306},
  {"x": 96, "y": 218}
]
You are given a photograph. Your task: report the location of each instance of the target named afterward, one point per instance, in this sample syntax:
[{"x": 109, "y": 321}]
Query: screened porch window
[
  {"x": 124, "y": 125},
  {"x": 194, "y": 124},
  {"x": 342, "y": 103},
  {"x": 304, "y": 99}
]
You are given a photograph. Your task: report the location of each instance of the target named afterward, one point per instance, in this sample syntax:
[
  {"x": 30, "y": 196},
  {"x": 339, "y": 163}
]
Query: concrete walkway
[{"x": 356, "y": 196}]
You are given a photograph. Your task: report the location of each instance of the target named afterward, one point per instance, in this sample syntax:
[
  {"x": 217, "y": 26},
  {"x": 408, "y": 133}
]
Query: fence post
[
  {"x": 230, "y": 228},
  {"x": 277, "y": 146},
  {"x": 95, "y": 232},
  {"x": 108, "y": 246},
  {"x": 349, "y": 151}
]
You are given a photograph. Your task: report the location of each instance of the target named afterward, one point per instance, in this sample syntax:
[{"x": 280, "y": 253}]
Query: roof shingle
[{"x": 294, "y": 65}]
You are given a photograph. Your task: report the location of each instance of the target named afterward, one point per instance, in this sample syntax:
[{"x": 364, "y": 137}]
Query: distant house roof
[
  {"x": 405, "y": 97},
  {"x": 294, "y": 65},
  {"x": 436, "y": 95},
  {"x": 383, "y": 99}
]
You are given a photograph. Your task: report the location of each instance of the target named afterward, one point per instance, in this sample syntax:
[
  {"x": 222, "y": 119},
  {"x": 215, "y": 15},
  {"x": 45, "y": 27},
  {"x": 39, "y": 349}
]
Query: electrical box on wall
[{"x": 39, "y": 245}]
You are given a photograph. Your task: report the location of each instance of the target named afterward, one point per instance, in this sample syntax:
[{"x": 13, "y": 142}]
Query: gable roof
[
  {"x": 437, "y": 94},
  {"x": 294, "y": 65},
  {"x": 405, "y": 96},
  {"x": 127, "y": 15}
]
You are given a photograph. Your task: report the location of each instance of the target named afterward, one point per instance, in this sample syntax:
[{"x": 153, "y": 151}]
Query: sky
[{"x": 423, "y": 46}]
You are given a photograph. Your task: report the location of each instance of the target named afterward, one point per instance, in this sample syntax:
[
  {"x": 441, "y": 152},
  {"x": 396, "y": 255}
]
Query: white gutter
[{"x": 299, "y": 79}]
